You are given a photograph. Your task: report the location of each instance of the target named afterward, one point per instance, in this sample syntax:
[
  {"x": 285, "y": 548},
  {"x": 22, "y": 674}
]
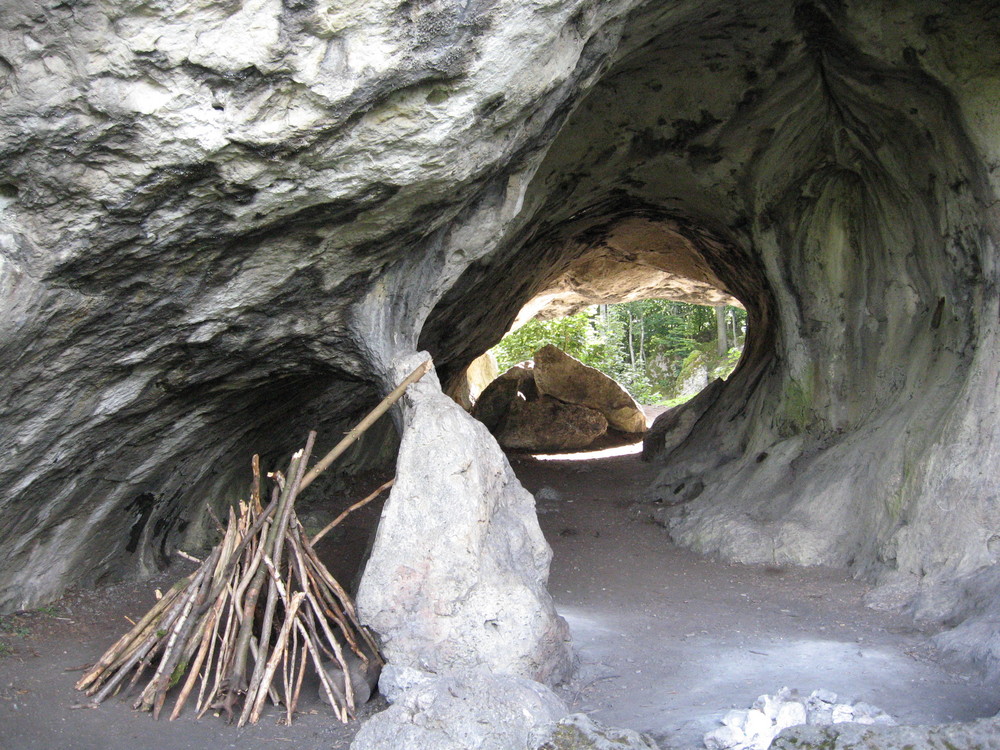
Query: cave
[{"x": 221, "y": 227}]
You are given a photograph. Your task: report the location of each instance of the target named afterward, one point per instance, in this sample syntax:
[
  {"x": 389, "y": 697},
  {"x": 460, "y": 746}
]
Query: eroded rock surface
[
  {"x": 221, "y": 226},
  {"x": 462, "y": 710},
  {"x": 548, "y": 424},
  {"x": 984, "y": 734},
  {"x": 457, "y": 574},
  {"x": 564, "y": 377}
]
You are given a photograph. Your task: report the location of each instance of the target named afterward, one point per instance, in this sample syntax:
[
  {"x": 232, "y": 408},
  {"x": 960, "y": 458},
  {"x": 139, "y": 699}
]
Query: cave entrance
[{"x": 661, "y": 352}]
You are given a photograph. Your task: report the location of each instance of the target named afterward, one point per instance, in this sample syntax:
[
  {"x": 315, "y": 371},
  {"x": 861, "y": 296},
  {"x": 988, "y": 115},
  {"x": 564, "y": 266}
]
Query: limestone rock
[
  {"x": 221, "y": 227},
  {"x": 977, "y": 735},
  {"x": 548, "y": 424},
  {"x": 457, "y": 573},
  {"x": 580, "y": 732},
  {"x": 559, "y": 375},
  {"x": 462, "y": 710}
]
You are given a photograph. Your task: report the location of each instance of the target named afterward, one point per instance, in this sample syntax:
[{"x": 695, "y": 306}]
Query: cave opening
[{"x": 191, "y": 277}]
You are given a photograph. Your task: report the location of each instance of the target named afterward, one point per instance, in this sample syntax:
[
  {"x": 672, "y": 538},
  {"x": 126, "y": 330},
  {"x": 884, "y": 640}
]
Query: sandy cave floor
[{"x": 667, "y": 640}]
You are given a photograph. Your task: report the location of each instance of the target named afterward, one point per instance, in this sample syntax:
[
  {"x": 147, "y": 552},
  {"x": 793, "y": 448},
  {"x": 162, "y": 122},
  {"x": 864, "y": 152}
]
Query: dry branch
[{"x": 262, "y": 603}]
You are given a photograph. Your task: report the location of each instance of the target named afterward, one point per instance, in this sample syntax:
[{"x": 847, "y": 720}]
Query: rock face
[
  {"x": 566, "y": 378},
  {"x": 224, "y": 224},
  {"x": 466, "y": 390},
  {"x": 580, "y": 732}
]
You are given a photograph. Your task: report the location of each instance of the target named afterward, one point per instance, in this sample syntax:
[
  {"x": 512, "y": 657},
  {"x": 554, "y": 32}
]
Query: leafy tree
[{"x": 623, "y": 341}]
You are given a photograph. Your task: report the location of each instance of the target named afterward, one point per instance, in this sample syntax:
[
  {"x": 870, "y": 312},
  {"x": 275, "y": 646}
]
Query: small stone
[
  {"x": 820, "y": 716},
  {"x": 724, "y": 738},
  {"x": 842, "y": 712},
  {"x": 736, "y": 718},
  {"x": 758, "y": 729},
  {"x": 821, "y": 696},
  {"x": 767, "y": 705},
  {"x": 790, "y": 714}
]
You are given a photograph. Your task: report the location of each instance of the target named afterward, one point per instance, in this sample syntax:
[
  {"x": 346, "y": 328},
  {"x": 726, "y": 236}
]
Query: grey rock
[
  {"x": 363, "y": 676},
  {"x": 396, "y": 680},
  {"x": 725, "y": 738},
  {"x": 580, "y": 732},
  {"x": 976, "y": 735},
  {"x": 464, "y": 710},
  {"x": 561, "y": 376},
  {"x": 221, "y": 229},
  {"x": 474, "y": 596}
]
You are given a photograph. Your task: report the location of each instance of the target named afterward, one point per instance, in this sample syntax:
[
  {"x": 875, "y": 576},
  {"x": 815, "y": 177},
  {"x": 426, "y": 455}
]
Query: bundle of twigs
[{"x": 260, "y": 606}]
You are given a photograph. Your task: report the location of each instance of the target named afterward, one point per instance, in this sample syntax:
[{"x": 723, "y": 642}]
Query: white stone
[
  {"x": 821, "y": 696},
  {"x": 790, "y": 714},
  {"x": 736, "y": 718},
  {"x": 841, "y": 713},
  {"x": 724, "y": 738},
  {"x": 768, "y": 705},
  {"x": 758, "y": 729}
]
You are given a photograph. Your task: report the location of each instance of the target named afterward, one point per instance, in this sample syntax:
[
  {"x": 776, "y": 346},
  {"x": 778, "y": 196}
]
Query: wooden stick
[
  {"x": 365, "y": 423},
  {"x": 272, "y": 664},
  {"x": 262, "y": 667},
  {"x": 330, "y": 526}
]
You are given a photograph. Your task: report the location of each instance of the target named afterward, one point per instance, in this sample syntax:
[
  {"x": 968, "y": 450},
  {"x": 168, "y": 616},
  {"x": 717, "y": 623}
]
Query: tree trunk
[
  {"x": 720, "y": 326},
  {"x": 631, "y": 348}
]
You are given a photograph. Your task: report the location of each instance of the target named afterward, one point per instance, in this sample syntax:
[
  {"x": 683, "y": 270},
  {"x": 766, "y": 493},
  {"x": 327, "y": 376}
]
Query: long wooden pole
[{"x": 364, "y": 424}]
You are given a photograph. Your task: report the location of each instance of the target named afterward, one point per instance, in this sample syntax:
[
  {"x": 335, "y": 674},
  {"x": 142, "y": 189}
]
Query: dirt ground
[{"x": 667, "y": 641}]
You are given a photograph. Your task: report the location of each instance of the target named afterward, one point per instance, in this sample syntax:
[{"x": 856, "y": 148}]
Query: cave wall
[{"x": 223, "y": 225}]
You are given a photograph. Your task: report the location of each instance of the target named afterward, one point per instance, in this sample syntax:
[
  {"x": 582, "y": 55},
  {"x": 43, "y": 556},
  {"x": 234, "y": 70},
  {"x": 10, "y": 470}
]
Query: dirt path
[{"x": 669, "y": 641}]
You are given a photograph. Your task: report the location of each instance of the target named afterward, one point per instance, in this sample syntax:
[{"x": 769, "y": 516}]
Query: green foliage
[
  {"x": 643, "y": 344},
  {"x": 570, "y": 334}
]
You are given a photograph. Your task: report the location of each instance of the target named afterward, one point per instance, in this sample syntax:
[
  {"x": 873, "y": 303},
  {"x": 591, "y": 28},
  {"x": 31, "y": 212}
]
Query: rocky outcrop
[
  {"x": 580, "y": 732},
  {"x": 566, "y": 378},
  {"x": 221, "y": 226},
  {"x": 983, "y": 734}
]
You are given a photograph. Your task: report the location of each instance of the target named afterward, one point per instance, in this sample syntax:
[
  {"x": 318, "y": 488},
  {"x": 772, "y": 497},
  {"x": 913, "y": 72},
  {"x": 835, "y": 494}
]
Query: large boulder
[
  {"x": 568, "y": 379},
  {"x": 516, "y": 383},
  {"x": 457, "y": 573},
  {"x": 548, "y": 424}
]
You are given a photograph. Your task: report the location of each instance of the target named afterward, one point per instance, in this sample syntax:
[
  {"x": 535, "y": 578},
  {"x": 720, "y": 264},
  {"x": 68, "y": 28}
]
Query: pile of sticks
[{"x": 260, "y": 607}]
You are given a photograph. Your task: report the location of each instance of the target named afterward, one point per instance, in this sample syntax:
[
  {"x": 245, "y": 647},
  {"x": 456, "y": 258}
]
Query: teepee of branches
[{"x": 258, "y": 613}]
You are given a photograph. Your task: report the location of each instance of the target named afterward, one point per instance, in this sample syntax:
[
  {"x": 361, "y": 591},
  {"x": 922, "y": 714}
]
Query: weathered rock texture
[
  {"x": 548, "y": 424},
  {"x": 221, "y": 224},
  {"x": 561, "y": 376},
  {"x": 456, "y": 578},
  {"x": 463, "y": 711},
  {"x": 556, "y": 403},
  {"x": 975, "y": 735}
]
